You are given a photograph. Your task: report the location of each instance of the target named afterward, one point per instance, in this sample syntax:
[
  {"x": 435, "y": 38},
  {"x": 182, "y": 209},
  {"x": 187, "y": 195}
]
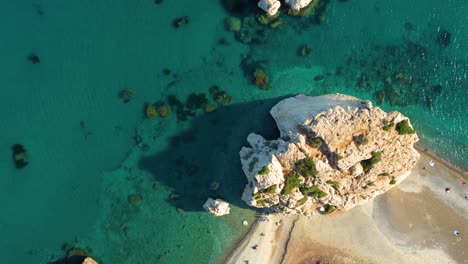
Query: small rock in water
[
  {"x": 181, "y": 21},
  {"x": 214, "y": 186},
  {"x": 144, "y": 147},
  {"x": 319, "y": 78},
  {"x": 20, "y": 156},
  {"x": 217, "y": 207},
  {"x": 409, "y": 26},
  {"x": 66, "y": 246},
  {"x": 233, "y": 24},
  {"x": 444, "y": 38},
  {"x": 34, "y": 58},
  {"x": 134, "y": 199},
  {"x": 305, "y": 50},
  {"x": 126, "y": 95},
  {"x": 437, "y": 88},
  {"x": 158, "y": 2},
  {"x": 166, "y": 71},
  {"x": 155, "y": 186}
]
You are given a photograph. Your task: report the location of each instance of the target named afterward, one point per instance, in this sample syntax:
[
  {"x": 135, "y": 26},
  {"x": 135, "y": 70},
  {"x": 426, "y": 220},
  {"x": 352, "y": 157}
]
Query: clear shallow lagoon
[{"x": 80, "y": 136}]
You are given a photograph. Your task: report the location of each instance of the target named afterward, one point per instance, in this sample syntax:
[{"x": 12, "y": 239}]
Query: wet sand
[{"x": 411, "y": 223}]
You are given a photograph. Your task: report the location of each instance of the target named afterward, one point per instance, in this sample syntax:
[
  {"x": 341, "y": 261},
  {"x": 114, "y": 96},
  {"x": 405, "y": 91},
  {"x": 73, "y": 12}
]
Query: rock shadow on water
[{"x": 209, "y": 152}]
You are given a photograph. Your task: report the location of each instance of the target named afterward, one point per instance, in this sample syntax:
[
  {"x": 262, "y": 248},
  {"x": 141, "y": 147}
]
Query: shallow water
[{"x": 80, "y": 136}]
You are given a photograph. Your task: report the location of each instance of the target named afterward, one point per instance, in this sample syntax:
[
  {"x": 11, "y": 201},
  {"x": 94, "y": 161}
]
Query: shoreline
[
  {"x": 443, "y": 170},
  {"x": 236, "y": 245},
  {"x": 450, "y": 166}
]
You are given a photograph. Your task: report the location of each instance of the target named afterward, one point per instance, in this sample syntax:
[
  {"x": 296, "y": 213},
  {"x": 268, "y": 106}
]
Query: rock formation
[
  {"x": 216, "y": 207},
  {"x": 89, "y": 260},
  {"x": 335, "y": 152},
  {"x": 272, "y": 6},
  {"x": 298, "y": 4},
  {"x": 269, "y": 6}
]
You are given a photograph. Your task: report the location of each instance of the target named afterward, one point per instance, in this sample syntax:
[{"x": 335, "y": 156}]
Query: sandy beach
[{"x": 412, "y": 223}]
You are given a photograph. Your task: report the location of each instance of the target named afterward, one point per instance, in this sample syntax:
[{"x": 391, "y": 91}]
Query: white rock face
[
  {"x": 355, "y": 161},
  {"x": 298, "y": 4},
  {"x": 89, "y": 260},
  {"x": 269, "y": 6},
  {"x": 216, "y": 207}
]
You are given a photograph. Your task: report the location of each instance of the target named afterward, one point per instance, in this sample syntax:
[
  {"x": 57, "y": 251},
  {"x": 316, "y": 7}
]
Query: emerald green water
[{"x": 80, "y": 136}]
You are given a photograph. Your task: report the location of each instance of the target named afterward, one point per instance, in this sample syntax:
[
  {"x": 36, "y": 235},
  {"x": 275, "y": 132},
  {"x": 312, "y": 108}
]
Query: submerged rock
[
  {"x": 181, "y": 21},
  {"x": 34, "y": 58},
  {"x": 444, "y": 38},
  {"x": 20, "y": 156},
  {"x": 216, "y": 207},
  {"x": 126, "y": 95},
  {"x": 334, "y": 152},
  {"x": 233, "y": 24}
]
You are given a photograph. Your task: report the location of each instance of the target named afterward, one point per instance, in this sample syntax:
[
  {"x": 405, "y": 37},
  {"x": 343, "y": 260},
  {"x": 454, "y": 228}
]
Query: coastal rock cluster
[
  {"x": 272, "y": 6},
  {"x": 335, "y": 152}
]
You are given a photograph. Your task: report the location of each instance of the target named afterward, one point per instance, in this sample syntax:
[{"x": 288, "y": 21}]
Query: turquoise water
[{"x": 80, "y": 136}]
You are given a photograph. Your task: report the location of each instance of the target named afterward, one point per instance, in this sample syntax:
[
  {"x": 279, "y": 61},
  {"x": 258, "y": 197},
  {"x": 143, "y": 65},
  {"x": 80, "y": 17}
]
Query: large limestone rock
[
  {"x": 335, "y": 151},
  {"x": 216, "y": 207},
  {"x": 269, "y": 6}
]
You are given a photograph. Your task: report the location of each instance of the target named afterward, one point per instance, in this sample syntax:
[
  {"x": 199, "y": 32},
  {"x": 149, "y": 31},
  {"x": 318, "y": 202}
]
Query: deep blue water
[{"x": 81, "y": 137}]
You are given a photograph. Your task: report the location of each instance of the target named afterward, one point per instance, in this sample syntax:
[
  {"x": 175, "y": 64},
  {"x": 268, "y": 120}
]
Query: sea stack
[{"x": 335, "y": 152}]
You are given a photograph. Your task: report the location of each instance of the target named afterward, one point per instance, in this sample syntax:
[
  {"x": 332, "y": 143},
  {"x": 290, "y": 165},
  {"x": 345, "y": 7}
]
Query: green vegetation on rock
[
  {"x": 256, "y": 195},
  {"x": 306, "y": 167},
  {"x": 329, "y": 209},
  {"x": 368, "y": 164},
  {"x": 393, "y": 181},
  {"x": 360, "y": 140},
  {"x": 384, "y": 174},
  {"x": 314, "y": 142},
  {"x": 335, "y": 184},
  {"x": 271, "y": 189},
  {"x": 338, "y": 157},
  {"x": 313, "y": 191},
  {"x": 403, "y": 128},
  {"x": 264, "y": 170},
  {"x": 388, "y": 127},
  {"x": 303, "y": 200},
  {"x": 291, "y": 182}
]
